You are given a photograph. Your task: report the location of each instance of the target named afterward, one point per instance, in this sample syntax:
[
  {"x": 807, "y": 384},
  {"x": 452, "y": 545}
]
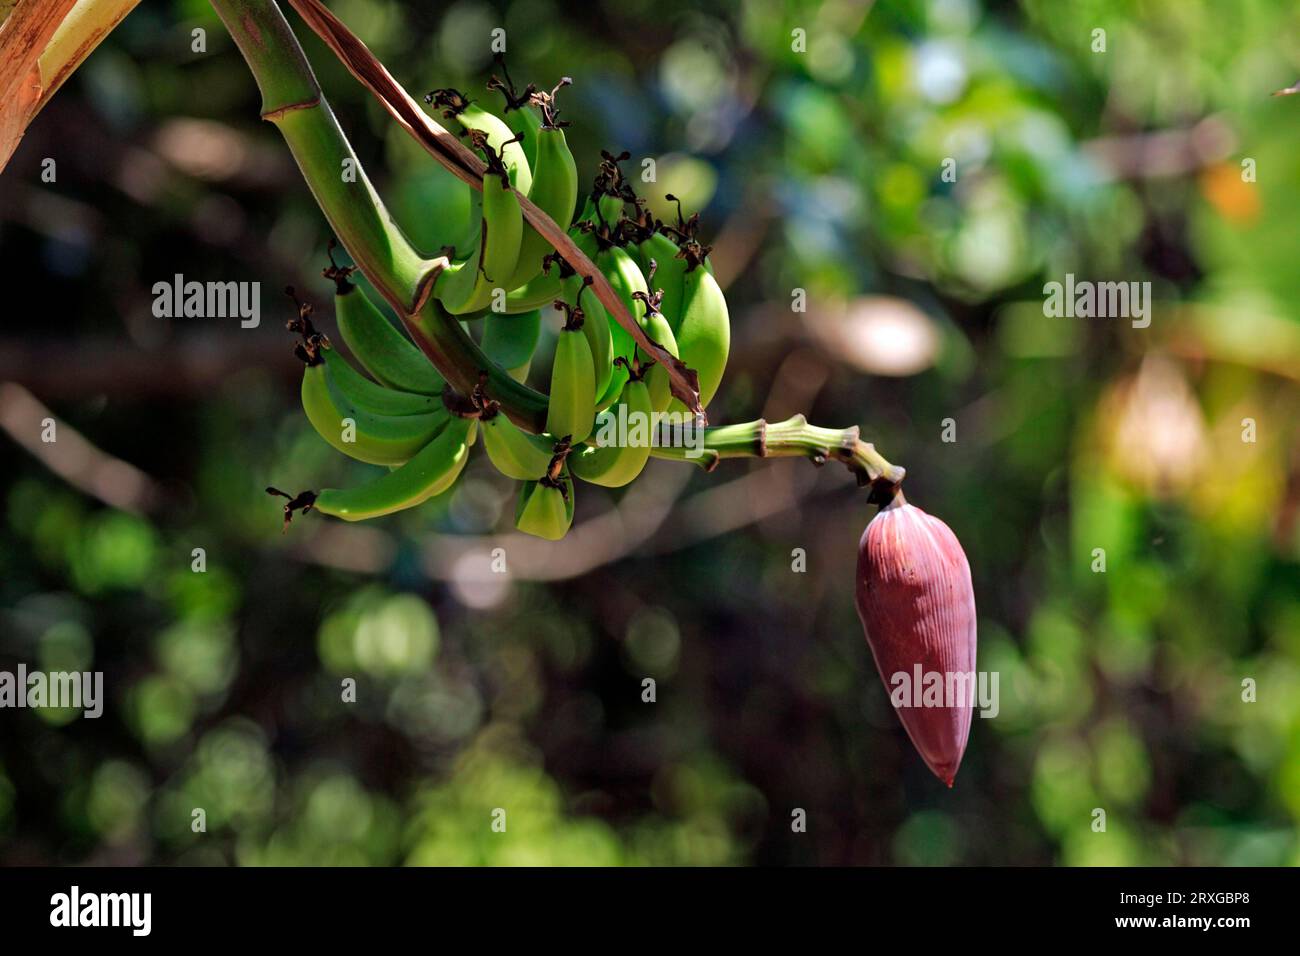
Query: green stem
[
  {"x": 462, "y": 363},
  {"x": 292, "y": 100},
  {"x": 792, "y": 438}
]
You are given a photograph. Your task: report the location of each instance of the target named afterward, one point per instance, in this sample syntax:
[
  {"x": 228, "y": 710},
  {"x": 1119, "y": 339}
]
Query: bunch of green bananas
[
  {"x": 604, "y": 390},
  {"x": 402, "y": 420}
]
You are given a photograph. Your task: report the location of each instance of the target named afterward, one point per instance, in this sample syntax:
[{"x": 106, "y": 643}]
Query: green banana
[
  {"x": 384, "y": 352},
  {"x": 537, "y": 292},
  {"x": 611, "y": 193},
  {"x": 514, "y": 452},
  {"x": 614, "y": 465},
  {"x": 364, "y": 435},
  {"x": 670, "y": 271},
  {"x": 656, "y": 326},
  {"x": 473, "y": 118},
  {"x": 587, "y": 215},
  {"x": 545, "y": 508},
  {"x": 518, "y": 113},
  {"x": 498, "y": 135},
  {"x": 595, "y": 326},
  {"x": 658, "y": 383},
  {"x": 503, "y": 230},
  {"x": 432, "y": 470},
  {"x": 704, "y": 332},
  {"x": 554, "y": 186},
  {"x": 467, "y": 285},
  {"x": 493, "y": 246},
  {"x": 625, "y": 276},
  {"x": 525, "y": 122},
  {"x": 366, "y": 395},
  {"x": 555, "y": 191},
  {"x": 543, "y": 289},
  {"x": 610, "y": 209},
  {"x": 571, "y": 410},
  {"x": 510, "y": 340}
]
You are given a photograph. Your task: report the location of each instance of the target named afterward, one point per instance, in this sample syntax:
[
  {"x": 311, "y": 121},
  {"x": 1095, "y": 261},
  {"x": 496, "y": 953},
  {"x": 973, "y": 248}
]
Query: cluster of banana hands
[{"x": 503, "y": 273}]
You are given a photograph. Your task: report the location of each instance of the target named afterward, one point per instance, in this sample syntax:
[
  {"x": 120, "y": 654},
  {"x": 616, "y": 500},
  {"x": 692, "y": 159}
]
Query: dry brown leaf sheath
[{"x": 23, "y": 37}]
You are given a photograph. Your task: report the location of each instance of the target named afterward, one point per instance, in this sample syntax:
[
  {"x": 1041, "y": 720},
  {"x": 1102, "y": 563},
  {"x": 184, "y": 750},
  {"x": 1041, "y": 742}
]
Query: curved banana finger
[
  {"x": 429, "y": 472},
  {"x": 623, "y": 435},
  {"x": 365, "y": 394},
  {"x": 704, "y": 333},
  {"x": 656, "y": 326},
  {"x": 384, "y": 352},
  {"x": 625, "y": 276},
  {"x": 473, "y": 118},
  {"x": 469, "y": 283},
  {"x": 516, "y": 453},
  {"x": 554, "y": 189},
  {"x": 595, "y": 326},
  {"x": 518, "y": 113},
  {"x": 363, "y": 435},
  {"x": 670, "y": 272},
  {"x": 510, "y": 340},
  {"x": 538, "y": 292},
  {"x": 571, "y": 410},
  {"x": 504, "y": 141},
  {"x": 544, "y": 508}
]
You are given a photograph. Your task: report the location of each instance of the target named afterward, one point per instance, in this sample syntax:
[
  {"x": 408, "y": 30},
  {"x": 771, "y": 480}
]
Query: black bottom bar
[{"x": 931, "y": 906}]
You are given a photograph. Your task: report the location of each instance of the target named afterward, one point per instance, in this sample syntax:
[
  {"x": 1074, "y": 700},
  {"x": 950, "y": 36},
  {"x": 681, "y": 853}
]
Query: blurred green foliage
[{"x": 822, "y": 169}]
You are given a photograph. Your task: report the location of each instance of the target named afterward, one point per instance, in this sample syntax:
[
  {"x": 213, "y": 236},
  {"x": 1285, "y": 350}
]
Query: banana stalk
[{"x": 792, "y": 438}]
